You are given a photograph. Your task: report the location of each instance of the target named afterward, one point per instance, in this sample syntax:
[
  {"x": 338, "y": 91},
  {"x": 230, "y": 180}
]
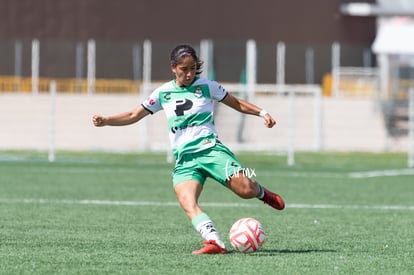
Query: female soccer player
[{"x": 188, "y": 104}]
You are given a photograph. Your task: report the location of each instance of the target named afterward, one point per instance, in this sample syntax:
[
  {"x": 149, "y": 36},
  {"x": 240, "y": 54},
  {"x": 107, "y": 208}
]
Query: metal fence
[{"x": 304, "y": 64}]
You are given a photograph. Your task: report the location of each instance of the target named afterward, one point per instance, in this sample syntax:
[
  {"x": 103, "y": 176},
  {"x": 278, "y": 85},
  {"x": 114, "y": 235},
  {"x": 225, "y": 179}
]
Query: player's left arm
[{"x": 246, "y": 107}]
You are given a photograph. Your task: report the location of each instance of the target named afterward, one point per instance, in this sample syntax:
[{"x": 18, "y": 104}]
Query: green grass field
[{"x": 101, "y": 213}]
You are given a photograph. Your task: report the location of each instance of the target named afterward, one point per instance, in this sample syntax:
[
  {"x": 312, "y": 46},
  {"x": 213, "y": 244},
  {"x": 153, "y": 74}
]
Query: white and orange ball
[{"x": 247, "y": 235}]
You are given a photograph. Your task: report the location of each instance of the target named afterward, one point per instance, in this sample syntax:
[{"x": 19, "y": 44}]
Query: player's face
[{"x": 185, "y": 71}]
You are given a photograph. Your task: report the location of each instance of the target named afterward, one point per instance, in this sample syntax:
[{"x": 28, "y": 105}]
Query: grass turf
[{"x": 98, "y": 213}]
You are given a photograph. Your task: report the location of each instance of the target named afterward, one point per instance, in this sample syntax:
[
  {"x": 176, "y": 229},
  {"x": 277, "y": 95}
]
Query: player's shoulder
[
  {"x": 211, "y": 83},
  {"x": 203, "y": 80},
  {"x": 216, "y": 90}
]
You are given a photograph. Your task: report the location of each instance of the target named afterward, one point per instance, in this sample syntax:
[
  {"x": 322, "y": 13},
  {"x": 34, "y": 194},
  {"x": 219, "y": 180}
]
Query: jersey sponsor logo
[
  {"x": 182, "y": 127},
  {"x": 182, "y": 105}
]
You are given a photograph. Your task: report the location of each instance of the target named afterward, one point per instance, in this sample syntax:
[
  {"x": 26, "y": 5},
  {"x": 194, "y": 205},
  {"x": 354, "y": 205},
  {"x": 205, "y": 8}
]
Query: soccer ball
[{"x": 247, "y": 235}]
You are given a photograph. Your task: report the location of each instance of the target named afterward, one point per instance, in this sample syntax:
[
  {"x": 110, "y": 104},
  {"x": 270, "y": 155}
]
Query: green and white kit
[{"x": 189, "y": 112}]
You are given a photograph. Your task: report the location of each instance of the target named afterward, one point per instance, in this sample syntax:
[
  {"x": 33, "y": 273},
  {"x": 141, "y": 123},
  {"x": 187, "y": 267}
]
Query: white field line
[
  {"x": 382, "y": 173},
  {"x": 350, "y": 175},
  {"x": 208, "y": 204},
  {"x": 358, "y": 207}
]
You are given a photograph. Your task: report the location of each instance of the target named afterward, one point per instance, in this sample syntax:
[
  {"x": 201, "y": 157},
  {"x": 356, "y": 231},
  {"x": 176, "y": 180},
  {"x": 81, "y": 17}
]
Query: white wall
[{"x": 348, "y": 124}]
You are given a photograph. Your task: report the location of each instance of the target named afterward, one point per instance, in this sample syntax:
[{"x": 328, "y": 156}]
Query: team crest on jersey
[{"x": 198, "y": 92}]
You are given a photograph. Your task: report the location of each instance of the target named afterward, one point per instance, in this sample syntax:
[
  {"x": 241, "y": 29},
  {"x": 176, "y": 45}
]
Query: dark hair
[{"x": 181, "y": 51}]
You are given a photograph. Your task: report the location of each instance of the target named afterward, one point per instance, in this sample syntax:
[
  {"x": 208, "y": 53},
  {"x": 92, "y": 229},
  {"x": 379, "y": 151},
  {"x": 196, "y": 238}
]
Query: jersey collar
[{"x": 185, "y": 87}]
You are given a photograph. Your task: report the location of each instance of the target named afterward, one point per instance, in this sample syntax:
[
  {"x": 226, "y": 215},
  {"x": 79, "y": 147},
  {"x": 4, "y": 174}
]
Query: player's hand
[
  {"x": 98, "y": 121},
  {"x": 269, "y": 121}
]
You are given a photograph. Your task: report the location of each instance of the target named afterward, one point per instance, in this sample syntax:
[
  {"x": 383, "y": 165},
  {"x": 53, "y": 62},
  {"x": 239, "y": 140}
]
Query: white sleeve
[
  {"x": 217, "y": 91},
  {"x": 152, "y": 103}
]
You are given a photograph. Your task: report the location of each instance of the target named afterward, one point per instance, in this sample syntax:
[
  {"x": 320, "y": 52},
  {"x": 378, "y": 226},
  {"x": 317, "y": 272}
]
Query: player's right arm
[{"x": 121, "y": 119}]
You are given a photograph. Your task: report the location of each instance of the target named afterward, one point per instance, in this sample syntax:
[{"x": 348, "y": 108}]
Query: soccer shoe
[
  {"x": 211, "y": 247},
  {"x": 273, "y": 199}
]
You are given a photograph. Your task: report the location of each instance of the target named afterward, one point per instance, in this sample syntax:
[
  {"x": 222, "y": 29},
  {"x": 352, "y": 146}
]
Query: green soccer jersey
[{"x": 189, "y": 112}]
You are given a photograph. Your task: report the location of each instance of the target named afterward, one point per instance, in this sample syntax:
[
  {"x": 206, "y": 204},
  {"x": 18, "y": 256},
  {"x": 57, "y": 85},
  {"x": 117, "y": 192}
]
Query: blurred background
[
  {"x": 338, "y": 73},
  {"x": 63, "y": 29}
]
